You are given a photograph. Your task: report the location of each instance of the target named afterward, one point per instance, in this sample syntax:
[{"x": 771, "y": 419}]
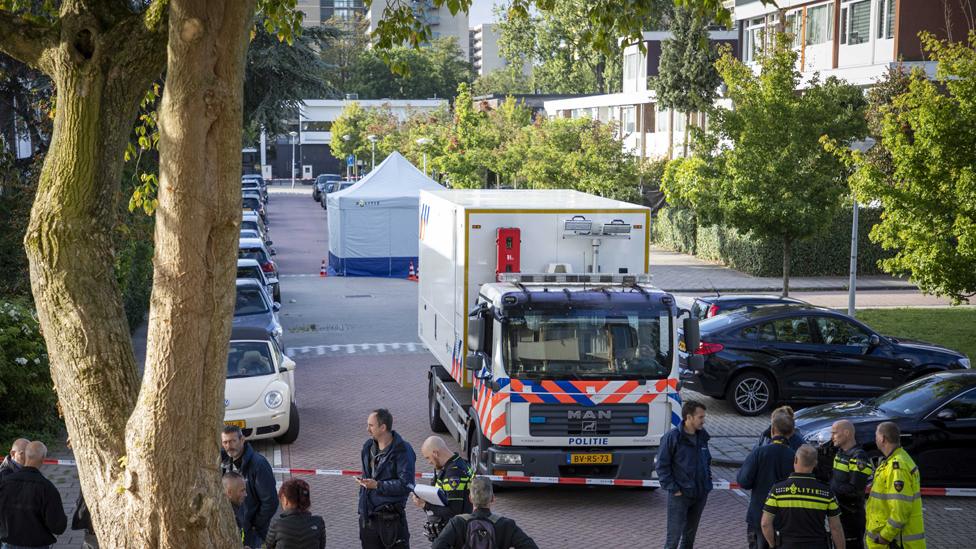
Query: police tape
[{"x": 573, "y": 481}]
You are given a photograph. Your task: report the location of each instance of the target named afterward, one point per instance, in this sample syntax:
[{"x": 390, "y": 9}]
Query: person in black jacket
[
  {"x": 851, "y": 472},
  {"x": 765, "y": 466},
  {"x": 795, "y": 440},
  {"x": 684, "y": 467},
  {"x": 15, "y": 459},
  {"x": 388, "y": 478},
  {"x": 261, "y": 503},
  {"x": 235, "y": 489},
  {"x": 31, "y": 511},
  {"x": 452, "y": 475},
  {"x": 506, "y": 533},
  {"x": 296, "y": 528}
]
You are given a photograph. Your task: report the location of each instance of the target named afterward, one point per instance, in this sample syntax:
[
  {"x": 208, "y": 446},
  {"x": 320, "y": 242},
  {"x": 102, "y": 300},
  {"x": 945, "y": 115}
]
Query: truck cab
[{"x": 571, "y": 380}]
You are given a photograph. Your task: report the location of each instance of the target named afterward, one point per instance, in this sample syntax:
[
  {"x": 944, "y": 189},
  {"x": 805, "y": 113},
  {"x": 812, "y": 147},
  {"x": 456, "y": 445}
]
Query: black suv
[{"x": 797, "y": 354}]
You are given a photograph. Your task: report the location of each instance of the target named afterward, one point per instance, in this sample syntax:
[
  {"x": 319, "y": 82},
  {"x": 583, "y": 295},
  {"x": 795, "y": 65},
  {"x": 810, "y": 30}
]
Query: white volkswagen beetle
[{"x": 259, "y": 395}]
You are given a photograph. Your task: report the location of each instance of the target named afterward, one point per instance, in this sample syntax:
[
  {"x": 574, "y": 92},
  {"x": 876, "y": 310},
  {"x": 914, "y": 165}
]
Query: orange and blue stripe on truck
[{"x": 490, "y": 405}]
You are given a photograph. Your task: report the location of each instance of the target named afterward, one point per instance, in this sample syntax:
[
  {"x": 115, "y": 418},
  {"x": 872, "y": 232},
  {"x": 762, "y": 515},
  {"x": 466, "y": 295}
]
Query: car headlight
[
  {"x": 965, "y": 363},
  {"x": 508, "y": 459},
  {"x": 277, "y": 331},
  {"x": 273, "y": 399},
  {"x": 818, "y": 437}
]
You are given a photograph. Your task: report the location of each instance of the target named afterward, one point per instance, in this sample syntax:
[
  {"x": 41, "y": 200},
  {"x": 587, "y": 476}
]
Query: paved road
[{"x": 356, "y": 347}]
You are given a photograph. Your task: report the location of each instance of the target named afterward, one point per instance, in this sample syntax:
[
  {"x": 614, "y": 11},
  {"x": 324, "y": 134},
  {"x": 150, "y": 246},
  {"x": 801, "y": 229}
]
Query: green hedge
[
  {"x": 29, "y": 403},
  {"x": 825, "y": 254}
]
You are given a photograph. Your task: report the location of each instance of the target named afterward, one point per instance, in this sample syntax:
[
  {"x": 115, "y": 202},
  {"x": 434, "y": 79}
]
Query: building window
[
  {"x": 317, "y": 126},
  {"x": 793, "y": 21},
  {"x": 855, "y": 22},
  {"x": 820, "y": 24},
  {"x": 630, "y": 119},
  {"x": 631, "y": 66},
  {"x": 755, "y": 31},
  {"x": 886, "y": 19}
]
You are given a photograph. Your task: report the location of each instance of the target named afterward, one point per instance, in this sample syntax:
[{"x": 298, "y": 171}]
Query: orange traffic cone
[
  {"x": 322, "y": 271},
  {"x": 412, "y": 274}
]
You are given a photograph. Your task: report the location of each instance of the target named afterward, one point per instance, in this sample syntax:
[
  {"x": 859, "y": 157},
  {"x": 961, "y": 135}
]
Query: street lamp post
[
  {"x": 293, "y": 134},
  {"x": 862, "y": 147},
  {"x": 373, "y": 139},
  {"x": 423, "y": 142}
]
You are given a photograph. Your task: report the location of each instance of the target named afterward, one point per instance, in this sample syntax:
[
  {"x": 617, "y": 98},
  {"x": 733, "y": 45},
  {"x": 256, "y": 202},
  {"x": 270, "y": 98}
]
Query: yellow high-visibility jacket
[{"x": 894, "y": 508}]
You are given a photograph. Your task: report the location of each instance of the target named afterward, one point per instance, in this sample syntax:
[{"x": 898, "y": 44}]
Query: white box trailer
[{"x": 555, "y": 356}]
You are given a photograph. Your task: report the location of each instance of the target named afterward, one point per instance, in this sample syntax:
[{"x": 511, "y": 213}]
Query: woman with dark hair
[{"x": 296, "y": 528}]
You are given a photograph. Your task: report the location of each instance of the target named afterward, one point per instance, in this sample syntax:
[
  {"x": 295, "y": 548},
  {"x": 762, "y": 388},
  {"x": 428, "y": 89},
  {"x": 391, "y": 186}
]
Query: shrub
[
  {"x": 26, "y": 391},
  {"x": 675, "y": 229}
]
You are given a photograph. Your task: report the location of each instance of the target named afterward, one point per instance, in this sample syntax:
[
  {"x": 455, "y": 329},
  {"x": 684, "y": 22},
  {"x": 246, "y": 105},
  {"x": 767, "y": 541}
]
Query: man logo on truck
[{"x": 589, "y": 414}]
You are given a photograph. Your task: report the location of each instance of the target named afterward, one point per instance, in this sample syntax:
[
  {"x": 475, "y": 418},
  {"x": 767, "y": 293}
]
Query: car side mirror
[
  {"x": 946, "y": 414},
  {"x": 874, "y": 340},
  {"x": 276, "y": 306},
  {"x": 268, "y": 242},
  {"x": 272, "y": 252},
  {"x": 475, "y": 362},
  {"x": 692, "y": 335}
]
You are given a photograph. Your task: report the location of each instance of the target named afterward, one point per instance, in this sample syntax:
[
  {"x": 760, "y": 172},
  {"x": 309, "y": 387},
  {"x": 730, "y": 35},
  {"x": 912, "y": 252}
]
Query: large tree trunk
[
  {"x": 172, "y": 436},
  {"x": 101, "y": 69},
  {"x": 787, "y": 260}
]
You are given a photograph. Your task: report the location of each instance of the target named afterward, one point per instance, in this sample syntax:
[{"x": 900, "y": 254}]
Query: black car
[
  {"x": 331, "y": 187},
  {"x": 707, "y": 307},
  {"x": 804, "y": 354},
  {"x": 937, "y": 417},
  {"x": 321, "y": 181}
]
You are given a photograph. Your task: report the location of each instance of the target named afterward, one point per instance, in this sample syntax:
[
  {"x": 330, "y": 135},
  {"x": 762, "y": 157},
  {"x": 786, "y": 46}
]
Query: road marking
[
  {"x": 277, "y": 457},
  {"x": 353, "y": 348}
]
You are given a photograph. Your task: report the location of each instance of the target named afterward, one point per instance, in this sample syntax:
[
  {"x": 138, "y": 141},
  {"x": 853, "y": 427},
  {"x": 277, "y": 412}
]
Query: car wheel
[
  {"x": 315, "y": 195},
  {"x": 277, "y": 294},
  {"x": 291, "y": 435},
  {"x": 437, "y": 424},
  {"x": 751, "y": 393}
]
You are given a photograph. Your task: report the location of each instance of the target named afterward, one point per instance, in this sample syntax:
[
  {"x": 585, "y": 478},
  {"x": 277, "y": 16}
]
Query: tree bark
[
  {"x": 176, "y": 494},
  {"x": 101, "y": 69},
  {"x": 787, "y": 259}
]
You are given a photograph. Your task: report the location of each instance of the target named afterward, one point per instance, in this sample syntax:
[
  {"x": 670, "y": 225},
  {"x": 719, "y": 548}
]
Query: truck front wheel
[
  {"x": 477, "y": 445},
  {"x": 434, "y": 410}
]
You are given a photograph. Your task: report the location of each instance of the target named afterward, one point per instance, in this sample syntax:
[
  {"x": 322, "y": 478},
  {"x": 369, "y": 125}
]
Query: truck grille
[{"x": 609, "y": 420}]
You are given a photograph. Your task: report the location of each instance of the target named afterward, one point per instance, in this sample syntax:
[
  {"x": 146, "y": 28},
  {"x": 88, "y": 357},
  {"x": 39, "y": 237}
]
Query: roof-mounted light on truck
[
  {"x": 568, "y": 278},
  {"x": 578, "y": 224},
  {"x": 616, "y": 227}
]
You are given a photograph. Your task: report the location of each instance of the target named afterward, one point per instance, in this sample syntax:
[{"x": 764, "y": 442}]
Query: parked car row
[
  {"x": 259, "y": 395},
  {"x": 758, "y": 352},
  {"x": 328, "y": 183}
]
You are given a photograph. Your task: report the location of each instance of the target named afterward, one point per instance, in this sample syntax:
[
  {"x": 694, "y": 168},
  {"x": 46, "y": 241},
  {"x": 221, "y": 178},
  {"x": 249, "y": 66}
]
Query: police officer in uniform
[
  {"x": 851, "y": 472},
  {"x": 452, "y": 475},
  {"x": 796, "y": 509},
  {"x": 894, "y": 510}
]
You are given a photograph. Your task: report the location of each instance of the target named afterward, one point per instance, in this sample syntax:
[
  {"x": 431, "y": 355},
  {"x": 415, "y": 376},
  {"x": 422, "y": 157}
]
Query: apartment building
[
  {"x": 317, "y": 12},
  {"x": 442, "y": 23},
  {"x": 855, "y": 40},
  {"x": 641, "y": 124}
]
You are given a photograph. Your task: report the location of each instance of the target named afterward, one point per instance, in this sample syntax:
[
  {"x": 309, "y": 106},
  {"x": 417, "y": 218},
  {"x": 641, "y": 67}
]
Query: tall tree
[
  {"x": 505, "y": 81},
  {"x": 922, "y": 172},
  {"x": 687, "y": 80},
  {"x": 432, "y": 71},
  {"x": 773, "y": 178}
]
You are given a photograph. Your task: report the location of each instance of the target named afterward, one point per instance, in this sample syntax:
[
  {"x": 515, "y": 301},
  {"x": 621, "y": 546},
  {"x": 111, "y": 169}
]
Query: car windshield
[
  {"x": 249, "y": 301},
  {"x": 249, "y": 359},
  {"x": 589, "y": 344},
  {"x": 250, "y": 272},
  {"x": 249, "y": 226},
  {"x": 251, "y": 203},
  {"x": 915, "y": 397},
  {"x": 256, "y": 254},
  {"x": 249, "y": 233}
]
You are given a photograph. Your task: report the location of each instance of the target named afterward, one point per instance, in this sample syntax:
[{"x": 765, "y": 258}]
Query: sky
[{"x": 482, "y": 12}]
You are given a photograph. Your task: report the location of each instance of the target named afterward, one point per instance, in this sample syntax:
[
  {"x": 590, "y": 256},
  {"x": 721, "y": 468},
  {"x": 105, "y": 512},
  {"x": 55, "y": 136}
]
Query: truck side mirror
[
  {"x": 476, "y": 330},
  {"x": 474, "y": 362},
  {"x": 692, "y": 335}
]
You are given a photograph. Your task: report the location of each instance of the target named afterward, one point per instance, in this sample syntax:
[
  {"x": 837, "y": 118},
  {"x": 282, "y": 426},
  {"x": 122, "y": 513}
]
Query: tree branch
[{"x": 25, "y": 40}]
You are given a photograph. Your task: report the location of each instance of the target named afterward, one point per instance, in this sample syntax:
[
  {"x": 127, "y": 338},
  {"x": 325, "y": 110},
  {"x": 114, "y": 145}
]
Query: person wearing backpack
[{"x": 482, "y": 529}]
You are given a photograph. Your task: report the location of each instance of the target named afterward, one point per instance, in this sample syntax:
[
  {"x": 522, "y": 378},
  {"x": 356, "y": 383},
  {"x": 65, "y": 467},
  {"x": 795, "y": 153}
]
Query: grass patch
[{"x": 952, "y": 327}]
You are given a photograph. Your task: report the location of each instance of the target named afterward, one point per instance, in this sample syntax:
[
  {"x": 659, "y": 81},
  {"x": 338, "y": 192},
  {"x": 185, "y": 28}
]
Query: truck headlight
[
  {"x": 273, "y": 399},
  {"x": 508, "y": 459}
]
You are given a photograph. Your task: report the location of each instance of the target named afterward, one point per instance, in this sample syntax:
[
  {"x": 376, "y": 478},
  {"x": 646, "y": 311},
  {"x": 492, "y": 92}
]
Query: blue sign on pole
[{"x": 350, "y": 160}]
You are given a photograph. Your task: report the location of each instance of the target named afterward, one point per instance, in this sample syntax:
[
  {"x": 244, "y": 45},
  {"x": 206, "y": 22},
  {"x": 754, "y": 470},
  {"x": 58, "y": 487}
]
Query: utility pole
[{"x": 852, "y": 284}]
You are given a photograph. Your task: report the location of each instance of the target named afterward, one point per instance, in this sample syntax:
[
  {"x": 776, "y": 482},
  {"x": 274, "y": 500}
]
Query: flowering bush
[{"x": 26, "y": 392}]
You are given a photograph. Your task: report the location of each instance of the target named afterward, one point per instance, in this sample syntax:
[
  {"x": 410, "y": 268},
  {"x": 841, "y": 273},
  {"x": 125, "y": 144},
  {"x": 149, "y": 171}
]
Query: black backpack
[{"x": 480, "y": 531}]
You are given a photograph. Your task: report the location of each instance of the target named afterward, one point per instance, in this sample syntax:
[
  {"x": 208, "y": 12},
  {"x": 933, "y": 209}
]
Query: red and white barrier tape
[{"x": 579, "y": 481}]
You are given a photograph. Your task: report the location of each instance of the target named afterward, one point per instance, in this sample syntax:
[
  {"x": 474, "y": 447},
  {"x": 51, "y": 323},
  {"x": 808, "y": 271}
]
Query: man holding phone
[{"x": 388, "y": 478}]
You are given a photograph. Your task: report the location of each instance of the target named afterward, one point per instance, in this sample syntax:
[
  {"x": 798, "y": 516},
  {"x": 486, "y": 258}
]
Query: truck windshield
[{"x": 586, "y": 344}]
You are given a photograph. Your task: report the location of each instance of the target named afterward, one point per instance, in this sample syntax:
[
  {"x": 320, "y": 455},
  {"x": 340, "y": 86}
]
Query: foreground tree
[
  {"x": 922, "y": 172},
  {"x": 687, "y": 81},
  {"x": 774, "y": 179}
]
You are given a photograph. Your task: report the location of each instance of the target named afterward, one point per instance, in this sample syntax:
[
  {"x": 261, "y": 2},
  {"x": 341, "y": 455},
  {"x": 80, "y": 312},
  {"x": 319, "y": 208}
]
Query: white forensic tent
[{"x": 373, "y": 224}]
